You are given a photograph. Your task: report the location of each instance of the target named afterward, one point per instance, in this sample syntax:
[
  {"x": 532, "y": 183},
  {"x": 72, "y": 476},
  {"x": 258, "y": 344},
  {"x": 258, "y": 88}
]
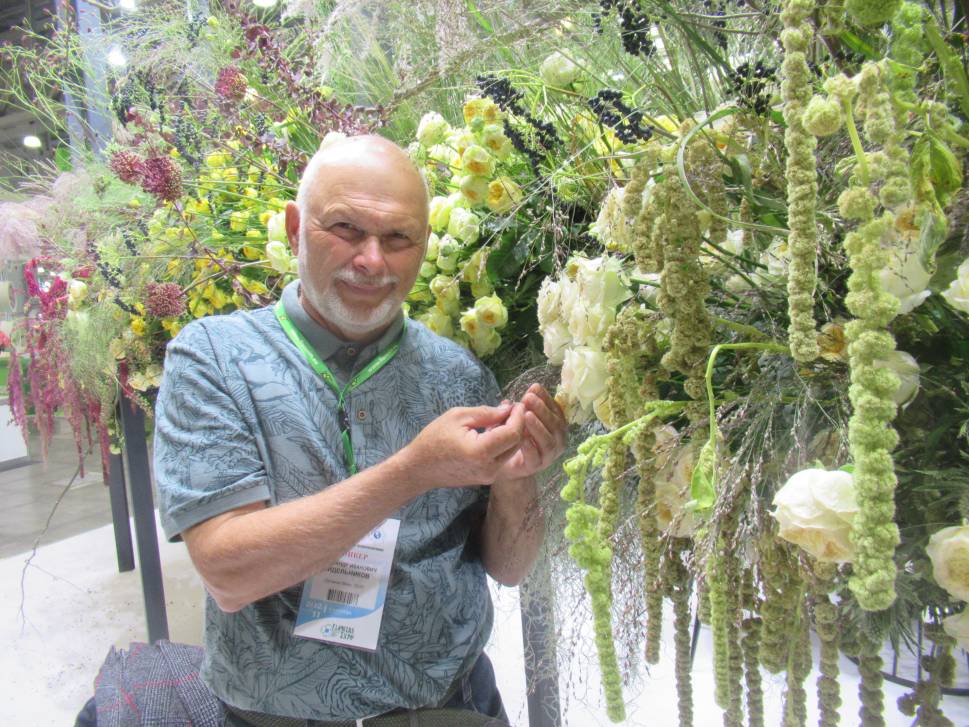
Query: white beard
[{"x": 331, "y": 307}]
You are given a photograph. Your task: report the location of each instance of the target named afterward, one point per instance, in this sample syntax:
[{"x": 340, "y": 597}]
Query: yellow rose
[
  {"x": 491, "y": 311},
  {"x": 503, "y": 194},
  {"x": 477, "y": 161},
  {"x": 481, "y": 109},
  {"x": 474, "y": 189}
]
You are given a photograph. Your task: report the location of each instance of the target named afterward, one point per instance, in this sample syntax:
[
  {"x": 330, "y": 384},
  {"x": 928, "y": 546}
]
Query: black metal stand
[
  {"x": 538, "y": 637},
  {"x": 139, "y": 477},
  {"x": 119, "y": 514}
]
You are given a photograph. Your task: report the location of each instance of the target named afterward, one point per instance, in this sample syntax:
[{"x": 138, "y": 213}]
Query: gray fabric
[
  {"x": 241, "y": 417},
  {"x": 155, "y": 685}
]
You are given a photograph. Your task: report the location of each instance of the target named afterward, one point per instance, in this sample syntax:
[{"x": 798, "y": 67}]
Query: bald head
[
  {"x": 372, "y": 157},
  {"x": 359, "y": 230}
]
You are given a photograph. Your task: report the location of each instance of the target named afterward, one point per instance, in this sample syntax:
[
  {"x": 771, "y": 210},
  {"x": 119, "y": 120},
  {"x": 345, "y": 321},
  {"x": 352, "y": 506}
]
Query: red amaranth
[
  {"x": 162, "y": 177},
  {"x": 128, "y": 166},
  {"x": 231, "y": 84},
  {"x": 164, "y": 300}
]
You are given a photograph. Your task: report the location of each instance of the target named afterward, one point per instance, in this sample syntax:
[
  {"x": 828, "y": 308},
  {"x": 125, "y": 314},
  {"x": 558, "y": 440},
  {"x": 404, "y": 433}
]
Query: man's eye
[
  {"x": 398, "y": 241},
  {"x": 345, "y": 229}
]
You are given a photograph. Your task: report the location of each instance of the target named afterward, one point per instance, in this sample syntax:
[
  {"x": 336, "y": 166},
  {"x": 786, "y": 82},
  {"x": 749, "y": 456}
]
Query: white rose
[
  {"x": 278, "y": 255},
  {"x": 906, "y": 279},
  {"x": 777, "y": 257},
  {"x": 958, "y": 627},
  {"x": 276, "y": 228},
  {"x": 558, "y": 71},
  {"x": 814, "y": 510},
  {"x": 443, "y": 154},
  {"x": 600, "y": 281},
  {"x": 439, "y": 213},
  {"x": 948, "y": 549},
  {"x": 433, "y": 247},
  {"x": 555, "y": 339},
  {"x": 610, "y": 227},
  {"x": 463, "y": 224},
  {"x": 76, "y": 292},
  {"x": 906, "y": 368},
  {"x": 548, "y": 302},
  {"x": 432, "y": 129},
  {"x": 957, "y": 294},
  {"x": 648, "y": 290},
  {"x": 734, "y": 244},
  {"x": 584, "y": 375},
  {"x": 588, "y": 324},
  {"x": 673, "y": 479}
]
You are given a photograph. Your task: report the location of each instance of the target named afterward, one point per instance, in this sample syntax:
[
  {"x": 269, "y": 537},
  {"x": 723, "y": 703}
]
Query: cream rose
[
  {"x": 555, "y": 340},
  {"x": 906, "y": 368},
  {"x": 948, "y": 549},
  {"x": 432, "y": 129},
  {"x": 906, "y": 279},
  {"x": 276, "y": 228},
  {"x": 278, "y": 255},
  {"x": 957, "y": 294},
  {"x": 600, "y": 281},
  {"x": 463, "y": 224},
  {"x": 548, "y": 302},
  {"x": 588, "y": 324},
  {"x": 558, "y": 71},
  {"x": 584, "y": 376},
  {"x": 957, "y": 627},
  {"x": 814, "y": 510}
]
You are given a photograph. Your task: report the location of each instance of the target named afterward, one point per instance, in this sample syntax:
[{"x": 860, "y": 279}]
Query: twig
[{"x": 33, "y": 551}]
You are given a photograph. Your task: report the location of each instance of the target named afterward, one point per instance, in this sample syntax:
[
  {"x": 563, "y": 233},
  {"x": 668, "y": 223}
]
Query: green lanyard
[{"x": 320, "y": 367}]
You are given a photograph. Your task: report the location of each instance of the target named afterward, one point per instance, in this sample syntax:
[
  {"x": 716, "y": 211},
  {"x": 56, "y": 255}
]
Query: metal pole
[
  {"x": 96, "y": 90},
  {"x": 139, "y": 478},
  {"x": 119, "y": 514},
  {"x": 538, "y": 635}
]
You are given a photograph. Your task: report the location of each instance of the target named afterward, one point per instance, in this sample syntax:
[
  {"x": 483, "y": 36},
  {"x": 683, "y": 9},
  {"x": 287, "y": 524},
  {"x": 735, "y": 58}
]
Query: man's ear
[{"x": 292, "y": 226}]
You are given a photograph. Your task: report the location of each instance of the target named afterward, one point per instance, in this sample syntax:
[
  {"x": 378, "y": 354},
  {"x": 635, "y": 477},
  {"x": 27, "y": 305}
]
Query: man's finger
[
  {"x": 483, "y": 417},
  {"x": 549, "y": 413},
  {"x": 541, "y": 438},
  {"x": 508, "y": 435}
]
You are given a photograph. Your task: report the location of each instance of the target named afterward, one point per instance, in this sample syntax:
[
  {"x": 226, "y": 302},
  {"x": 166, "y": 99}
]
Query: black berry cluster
[
  {"x": 635, "y": 26},
  {"x": 718, "y": 9},
  {"x": 627, "y": 122},
  {"x": 509, "y": 99},
  {"x": 753, "y": 83}
]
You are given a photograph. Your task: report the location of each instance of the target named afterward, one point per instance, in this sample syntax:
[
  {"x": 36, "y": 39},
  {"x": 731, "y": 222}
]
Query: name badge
[{"x": 345, "y": 603}]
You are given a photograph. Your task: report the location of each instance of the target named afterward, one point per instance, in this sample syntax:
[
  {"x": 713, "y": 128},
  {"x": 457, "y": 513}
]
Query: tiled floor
[{"x": 29, "y": 494}]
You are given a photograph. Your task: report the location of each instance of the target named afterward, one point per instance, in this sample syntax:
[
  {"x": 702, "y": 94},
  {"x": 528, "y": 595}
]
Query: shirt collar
[{"x": 326, "y": 343}]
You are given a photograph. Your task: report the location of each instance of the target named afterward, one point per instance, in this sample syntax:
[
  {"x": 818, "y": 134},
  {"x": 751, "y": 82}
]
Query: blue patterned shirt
[{"x": 241, "y": 418}]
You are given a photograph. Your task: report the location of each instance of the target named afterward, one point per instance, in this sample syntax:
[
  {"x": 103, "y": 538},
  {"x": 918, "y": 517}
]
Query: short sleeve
[{"x": 206, "y": 458}]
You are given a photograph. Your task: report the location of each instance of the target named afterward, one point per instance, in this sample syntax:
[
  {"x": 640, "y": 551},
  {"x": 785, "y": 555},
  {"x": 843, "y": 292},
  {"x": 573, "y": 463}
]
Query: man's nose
[{"x": 370, "y": 256}]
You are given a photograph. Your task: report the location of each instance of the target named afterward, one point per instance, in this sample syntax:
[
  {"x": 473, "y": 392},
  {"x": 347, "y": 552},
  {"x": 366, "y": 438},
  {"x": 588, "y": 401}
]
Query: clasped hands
[{"x": 488, "y": 444}]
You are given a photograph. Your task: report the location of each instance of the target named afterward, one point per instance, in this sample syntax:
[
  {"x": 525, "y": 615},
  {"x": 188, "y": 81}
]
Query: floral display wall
[{"x": 733, "y": 235}]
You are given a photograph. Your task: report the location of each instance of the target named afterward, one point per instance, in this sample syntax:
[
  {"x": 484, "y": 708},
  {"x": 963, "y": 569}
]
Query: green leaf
[
  {"x": 849, "y": 468},
  {"x": 945, "y": 169},
  {"x": 702, "y": 485},
  {"x": 62, "y": 158},
  {"x": 933, "y": 232}
]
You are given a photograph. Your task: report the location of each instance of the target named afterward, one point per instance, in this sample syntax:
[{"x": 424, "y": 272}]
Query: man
[{"x": 271, "y": 471}]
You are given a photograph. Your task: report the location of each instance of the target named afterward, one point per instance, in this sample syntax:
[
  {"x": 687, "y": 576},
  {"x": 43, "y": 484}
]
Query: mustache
[{"x": 355, "y": 278}]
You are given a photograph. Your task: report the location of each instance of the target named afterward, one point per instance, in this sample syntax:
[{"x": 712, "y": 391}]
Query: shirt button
[
  {"x": 351, "y": 351},
  {"x": 361, "y": 415}
]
